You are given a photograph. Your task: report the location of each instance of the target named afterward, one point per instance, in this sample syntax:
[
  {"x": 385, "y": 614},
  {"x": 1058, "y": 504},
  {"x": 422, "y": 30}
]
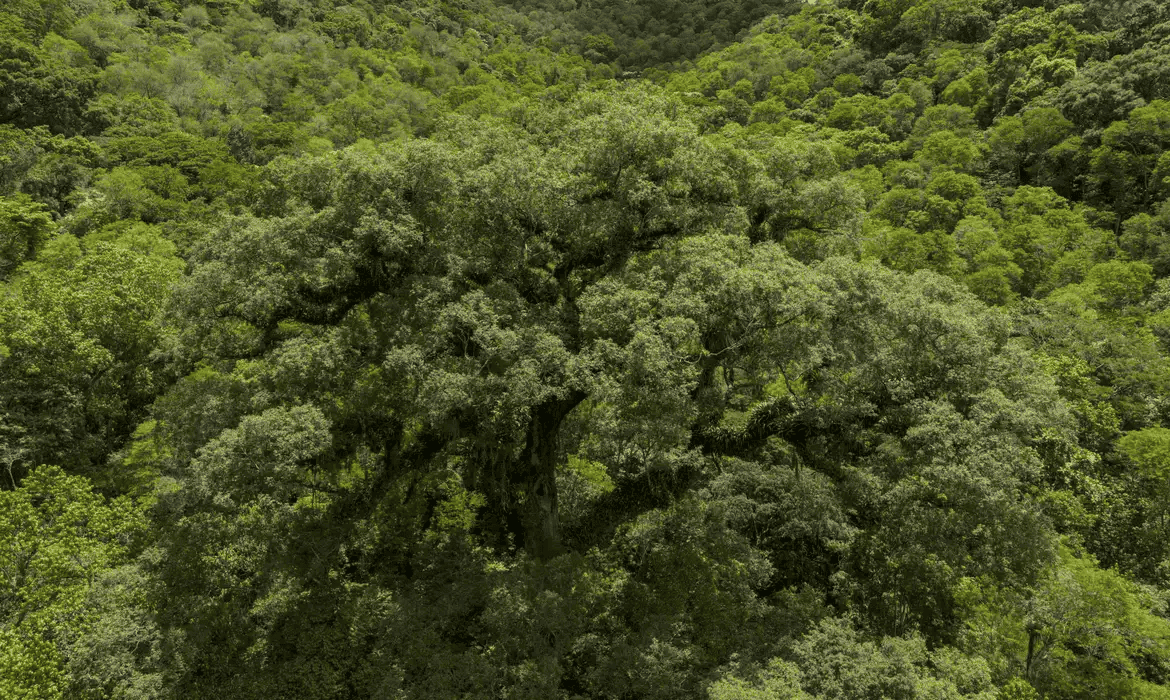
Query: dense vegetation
[{"x": 735, "y": 350}]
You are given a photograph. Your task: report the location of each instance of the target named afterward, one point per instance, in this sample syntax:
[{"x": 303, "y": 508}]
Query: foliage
[
  {"x": 78, "y": 325},
  {"x": 57, "y": 538},
  {"x": 470, "y": 349}
]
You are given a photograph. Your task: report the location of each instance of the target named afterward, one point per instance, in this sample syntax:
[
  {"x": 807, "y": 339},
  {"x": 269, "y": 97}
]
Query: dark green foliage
[
  {"x": 554, "y": 350},
  {"x": 647, "y": 34},
  {"x": 44, "y": 80},
  {"x": 25, "y": 227},
  {"x": 77, "y": 328}
]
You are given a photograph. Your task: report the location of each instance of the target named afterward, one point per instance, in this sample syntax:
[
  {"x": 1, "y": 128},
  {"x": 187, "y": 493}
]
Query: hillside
[{"x": 585, "y": 349}]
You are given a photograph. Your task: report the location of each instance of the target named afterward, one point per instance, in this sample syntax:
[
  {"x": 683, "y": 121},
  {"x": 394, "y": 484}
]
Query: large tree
[{"x": 441, "y": 281}]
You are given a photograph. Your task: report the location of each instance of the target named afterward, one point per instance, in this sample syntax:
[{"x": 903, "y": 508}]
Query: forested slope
[{"x": 665, "y": 350}]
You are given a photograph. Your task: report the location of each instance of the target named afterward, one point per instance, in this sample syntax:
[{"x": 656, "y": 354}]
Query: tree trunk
[
  {"x": 537, "y": 478},
  {"x": 1031, "y": 651}
]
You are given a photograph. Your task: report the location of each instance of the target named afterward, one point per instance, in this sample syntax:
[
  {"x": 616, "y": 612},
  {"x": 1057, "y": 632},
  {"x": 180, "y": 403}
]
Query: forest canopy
[{"x": 533, "y": 349}]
